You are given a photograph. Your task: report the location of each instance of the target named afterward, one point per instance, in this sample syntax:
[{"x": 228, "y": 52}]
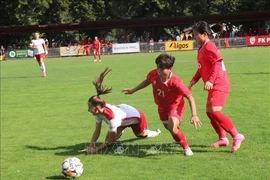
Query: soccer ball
[{"x": 72, "y": 167}]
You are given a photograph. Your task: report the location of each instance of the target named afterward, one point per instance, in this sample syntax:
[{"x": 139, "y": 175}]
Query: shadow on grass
[
  {"x": 20, "y": 77},
  {"x": 56, "y": 177},
  {"x": 253, "y": 73},
  {"x": 61, "y": 150},
  {"x": 124, "y": 148},
  {"x": 130, "y": 148}
]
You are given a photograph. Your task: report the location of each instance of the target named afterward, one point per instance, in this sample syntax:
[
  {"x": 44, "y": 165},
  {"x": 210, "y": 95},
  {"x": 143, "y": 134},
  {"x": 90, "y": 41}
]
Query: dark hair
[
  {"x": 202, "y": 27},
  {"x": 165, "y": 61},
  {"x": 97, "y": 100}
]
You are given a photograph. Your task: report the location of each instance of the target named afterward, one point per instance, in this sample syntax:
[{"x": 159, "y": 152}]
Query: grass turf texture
[{"x": 45, "y": 120}]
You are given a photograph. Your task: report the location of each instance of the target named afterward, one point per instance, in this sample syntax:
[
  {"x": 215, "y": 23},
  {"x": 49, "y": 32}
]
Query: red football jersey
[
  {"x": 208, "y": 54},
  {"x": 96, "y": 44},
  {"x": 168, "y": 95}
]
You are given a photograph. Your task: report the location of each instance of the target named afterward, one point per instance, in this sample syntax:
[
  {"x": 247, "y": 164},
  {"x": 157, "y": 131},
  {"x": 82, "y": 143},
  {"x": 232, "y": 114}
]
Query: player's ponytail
[
  {"x": 98, "y": 83},
  {"x": 97, "y": 100}
]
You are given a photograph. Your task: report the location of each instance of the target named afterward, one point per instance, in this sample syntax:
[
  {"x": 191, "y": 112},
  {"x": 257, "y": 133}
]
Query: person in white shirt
[
  {"x": 118, "y": 117},
  {"x": 40, "y": 50}
]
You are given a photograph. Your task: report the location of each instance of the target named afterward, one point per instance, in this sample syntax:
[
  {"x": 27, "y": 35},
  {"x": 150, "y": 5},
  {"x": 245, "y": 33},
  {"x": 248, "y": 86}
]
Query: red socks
[
  {"x": 180, "y": 138},
  {"x": 219, "y": 130},
  {"x": 219, "y": 119}
]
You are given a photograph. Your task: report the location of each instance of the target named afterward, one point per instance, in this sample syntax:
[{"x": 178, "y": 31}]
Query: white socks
[
  {"x": 151, "y": 133},
  {"x": 43, "y": 68}
]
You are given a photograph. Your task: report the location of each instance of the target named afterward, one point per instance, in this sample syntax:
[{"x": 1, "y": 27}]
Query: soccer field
[{"x": 45, "y": 120}]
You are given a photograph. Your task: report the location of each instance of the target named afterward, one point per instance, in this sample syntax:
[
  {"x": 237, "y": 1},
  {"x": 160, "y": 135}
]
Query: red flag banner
[{"x": 258, "y": 40}]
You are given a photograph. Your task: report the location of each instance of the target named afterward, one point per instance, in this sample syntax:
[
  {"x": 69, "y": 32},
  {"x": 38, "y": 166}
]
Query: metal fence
[{"x": 160, "y": 47}]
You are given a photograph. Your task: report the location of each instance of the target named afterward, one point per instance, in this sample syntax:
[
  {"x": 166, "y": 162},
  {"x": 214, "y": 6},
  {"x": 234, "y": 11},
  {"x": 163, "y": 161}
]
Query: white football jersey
[
  {"x": 37, "y": 44},
  {"x": 121, "y": 115}
]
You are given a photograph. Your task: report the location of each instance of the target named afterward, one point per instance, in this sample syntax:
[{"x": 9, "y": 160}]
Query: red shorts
[
  {"x": 216, "y": 98},
  {"x": 96, "y": 51},
  {"x": 178, "y": 113},
  {"x": 39, "y": 56},
  {"x": 140, "y": 127}
]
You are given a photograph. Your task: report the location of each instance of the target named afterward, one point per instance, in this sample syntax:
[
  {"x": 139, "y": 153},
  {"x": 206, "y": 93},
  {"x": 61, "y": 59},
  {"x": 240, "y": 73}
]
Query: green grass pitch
[{"x": 45, "y": 120}]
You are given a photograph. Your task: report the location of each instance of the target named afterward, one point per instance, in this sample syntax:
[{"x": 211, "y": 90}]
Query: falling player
[{"x": 118, "y": 117}]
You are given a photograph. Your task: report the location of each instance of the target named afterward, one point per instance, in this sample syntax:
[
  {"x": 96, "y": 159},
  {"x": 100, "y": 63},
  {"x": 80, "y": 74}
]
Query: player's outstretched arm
[{"x": 142, "y": 85}]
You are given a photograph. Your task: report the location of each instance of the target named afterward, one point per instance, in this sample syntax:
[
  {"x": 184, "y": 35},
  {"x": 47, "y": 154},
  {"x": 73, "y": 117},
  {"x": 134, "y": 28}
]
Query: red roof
[{"x": 143, "y": 22}]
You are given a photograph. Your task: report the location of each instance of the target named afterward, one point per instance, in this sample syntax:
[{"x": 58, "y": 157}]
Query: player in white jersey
[
  {"x": 118, "y": 117},
  {"x": 41, "y": 49}
]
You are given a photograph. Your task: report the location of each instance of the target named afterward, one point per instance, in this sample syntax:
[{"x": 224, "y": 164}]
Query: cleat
[
  {"x": 237, "y": 140},
  {"x": 44, "y": 74},
  {"x": 188, "y": 152},
  {"x": 95, "y": 60},
  {"x": 220, "y": 142}
]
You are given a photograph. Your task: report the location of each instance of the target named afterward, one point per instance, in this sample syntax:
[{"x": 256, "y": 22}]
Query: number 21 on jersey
[{"x": 161, "y": 93}]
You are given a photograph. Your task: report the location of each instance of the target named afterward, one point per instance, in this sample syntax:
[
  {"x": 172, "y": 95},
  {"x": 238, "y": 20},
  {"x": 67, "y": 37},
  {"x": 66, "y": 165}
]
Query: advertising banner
[
  {"x": 178, "y": 45},
  {"x": 71, "y": 51},
  {"x": 22, "y": 53},
  {"x": 126, "y": 48},
  {"x": 258, "y": 40}
]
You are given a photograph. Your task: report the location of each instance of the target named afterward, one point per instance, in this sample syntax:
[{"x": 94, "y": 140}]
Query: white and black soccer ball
[{"x": 72, "y": 167}]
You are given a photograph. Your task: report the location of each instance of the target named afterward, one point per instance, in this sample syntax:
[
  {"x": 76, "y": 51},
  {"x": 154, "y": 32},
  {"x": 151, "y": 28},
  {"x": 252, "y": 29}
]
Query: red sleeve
[
  {"x": 196, "y": 77},
  {"x": 182, "y": 89},
  {"x": 215, "y": 58},
  {"x": 212, "y": 52},
  {"x": 151, "y": 76},
  {"x": 214, "y": 71}
]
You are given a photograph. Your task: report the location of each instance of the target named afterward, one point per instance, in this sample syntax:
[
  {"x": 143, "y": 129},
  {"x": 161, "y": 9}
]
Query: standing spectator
[
  {"x": 40, "y": 48},
  {"x": 2, "y": 53},
  {"x": 151, "y": 45},
  {"x": 97, "y": 46},
  {"x": 178, "y": 38}
]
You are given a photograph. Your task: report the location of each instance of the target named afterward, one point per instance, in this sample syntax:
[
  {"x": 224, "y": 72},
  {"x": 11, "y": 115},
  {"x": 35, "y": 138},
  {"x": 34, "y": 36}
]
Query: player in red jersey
[
  {"x": 40, "y": 50},
  {"x": 169, "y": 93},
  {"x": 214, "y": 75},
  {"x": 118, "y": 117},
  {"x": 96, "y": 46}
]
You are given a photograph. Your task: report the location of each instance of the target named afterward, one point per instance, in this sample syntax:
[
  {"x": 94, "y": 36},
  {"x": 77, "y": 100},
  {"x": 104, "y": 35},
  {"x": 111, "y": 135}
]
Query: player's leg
[
  {"x": 95, "y": 58},
  {"x": 120, "y": 131},
  {"x": 140, "y": 129},
  {"x": 99, "y": 55},
  {"x": 218, "y": 100},
  {"x": 42, "y": 65},
  {"x": 174, "y": 119},
  {"x": 178, "y": 135}
]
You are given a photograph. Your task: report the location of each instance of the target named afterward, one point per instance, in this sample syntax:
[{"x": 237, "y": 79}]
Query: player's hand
[
  {"x": 196, "y": 122},
  {"x": 46, "y": 52},
  {"x": 127, "y": 91},
  {"x": 89, "y": 149},
  {"x": 192, "y": 83},
  {"x": 208, "y": 86}
]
